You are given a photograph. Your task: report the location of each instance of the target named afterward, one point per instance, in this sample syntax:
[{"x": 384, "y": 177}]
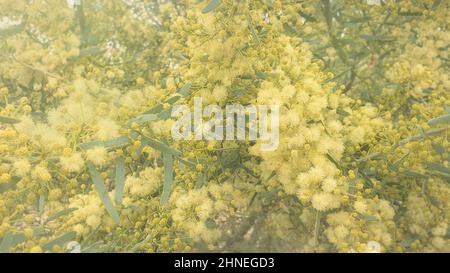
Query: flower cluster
[{"x": 87, "y": 162}]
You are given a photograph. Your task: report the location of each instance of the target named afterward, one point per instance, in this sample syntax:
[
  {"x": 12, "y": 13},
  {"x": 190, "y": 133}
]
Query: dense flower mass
[{"x": 88, "y": 162}]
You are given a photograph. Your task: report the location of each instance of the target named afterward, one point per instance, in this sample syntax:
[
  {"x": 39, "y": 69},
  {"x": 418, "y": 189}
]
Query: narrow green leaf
[
  {"x": 200, "y": 181},
  {"x": 334, "y": 161},
  {"x": 317, "y": 228},
  {"x": 155, "y": 110},
  {"x": 307, "y": 17},
  {"x": 109, "y": 144},
  {"x": 412, "y": 173},
  {"x": 410, "y": 13},
  {"x": 184, "y": 91},
  {"x": 188, "y": 163},
  {"x": 377, "y": 38},
  {"x": 6, "y": 243},
  {"x": 253, "y": 30},
  {"x": 117, "y": 142},
  {"x": 438, "y": 148},
  {"x": 120, "y": 179},
  {"x": 261, "y": 75},
  {"x": 7, "y": 186},
  {"x": 342, "y": 112},
  {"x": 173, "y": 99},
  {"x": 39, "y": 231},
  {"x": 141, "y": 119},
  {"x": 436, "y": 4},
  {"x": 408, "y": 242},
  {"x": 41, "y": 203},
  {"x": 159, "y": 110},
  {"x": 327, "y": 13},
  {"x": 102, "y": 192},
  {"x": 440, "y": 120},
  {"x": 213, "y": 4},
  {"x": 369, "y": 218},
  {"x": 439, "y": 169},
  {"x": 60, "y": 241},
  {"x": 90, "y": 144},
  {"x": 432, "y": 132},
  {"x": 395, "y": 166},
  {"x": 19, "y": 238},
  {"x": 59, "y": 214},
  {"x": 9, "y": 120},
  {"x": 351, "y": 186},
  {"x": 168, "y": 177},
  {"x": 160, "y": 146},
  {"x": 375, "y": 156},
  {"x": 165, "y": 114}
]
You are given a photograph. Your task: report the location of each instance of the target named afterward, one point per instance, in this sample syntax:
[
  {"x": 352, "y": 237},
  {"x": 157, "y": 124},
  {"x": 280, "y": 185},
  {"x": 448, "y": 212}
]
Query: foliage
[{"x": 87, "y": 162}]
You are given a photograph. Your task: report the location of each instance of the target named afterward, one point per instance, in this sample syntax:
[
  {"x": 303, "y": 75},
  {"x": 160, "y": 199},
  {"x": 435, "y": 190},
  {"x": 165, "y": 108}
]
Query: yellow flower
[{"x": 97, "y": 155}]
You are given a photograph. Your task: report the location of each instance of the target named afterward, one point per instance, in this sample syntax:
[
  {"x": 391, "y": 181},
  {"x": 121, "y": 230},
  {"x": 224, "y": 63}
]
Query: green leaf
[
  {"x": 41, "y": 203},
  {"x": 261, "y": 75},
  {"x": 369, "y": 218},
  {"x": 375, "y": 156},
  {"x": 342, "y": 112},
  {"x": 184, "y": 91},
  {"x": 102, "y": 192},
  {"x": 327, "y": 13},
  {"x": 211, "y": 6},
  {"x": 6, "y": 243},
  {"x": 412, "y": 173},
  {"x": 168, "y": 177},
  {"x": 407, "y": 242},
  {"x": 377, "y": 38},
  {"x": 59, "y": 214},
  {"x": 160, "y": 146},
  {"x": 432, "y": 132},
  {"x": 439, "y": 169},
  {"x": 200, "y": 181},
  {"x": 438, "y": 148},
  {"x": 90, "y": 144},
  {"x": 141, "y": 119},
  {"x": 307, "y": 17},
  {"x": 116, "y": 143},
  {"x": 436, "y": 4},
  {"x": 395, "y": 166},
  {"x": 410, "y": 13},
  {"x": 109, "y": 144},
  {"x": 334, "y": 161},
  {"x": 60, "y": 241},
  {"x": 253, "y": 30},
  {"x": 159, "y": 110},
  {"x": 6, "y": 186},
  {"x": 9, "y": 120},
  {"x": 120, "y": 179},
  {"x": 440, "y": 120},
  {"x": 39, "y": 231},
  {"x": 188, "y": 163},
  {"x": 19, "y": 238},
  {"x": 351, "y": 186}
]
